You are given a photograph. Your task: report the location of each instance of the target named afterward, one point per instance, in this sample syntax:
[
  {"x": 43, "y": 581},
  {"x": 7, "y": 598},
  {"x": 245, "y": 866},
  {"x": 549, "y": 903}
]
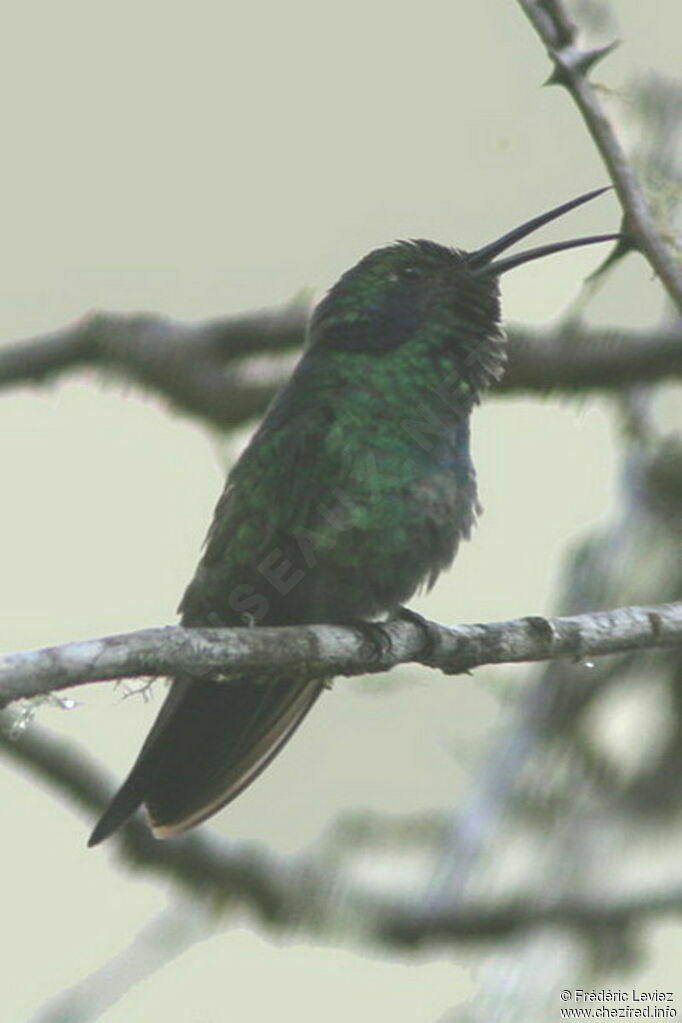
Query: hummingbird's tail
[{"x": 209, "y": 741}]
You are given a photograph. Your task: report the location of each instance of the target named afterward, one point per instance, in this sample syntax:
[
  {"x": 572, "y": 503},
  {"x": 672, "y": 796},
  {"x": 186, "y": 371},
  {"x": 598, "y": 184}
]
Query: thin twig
[
  {"x": 326, "y": 650},
  {"x": 159, "y": 942}
]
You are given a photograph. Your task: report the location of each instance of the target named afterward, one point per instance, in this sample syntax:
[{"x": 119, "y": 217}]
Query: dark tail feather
[
  {"x": 209, "y": 741},
  {"x": 124, "y": 804}
]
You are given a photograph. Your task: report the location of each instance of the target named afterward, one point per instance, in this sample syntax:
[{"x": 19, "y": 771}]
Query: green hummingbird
[{"x": 354, "y": 492}]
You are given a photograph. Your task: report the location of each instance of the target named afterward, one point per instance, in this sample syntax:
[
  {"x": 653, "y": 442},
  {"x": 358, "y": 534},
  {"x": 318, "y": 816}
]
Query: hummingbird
[{"x": 355, "y": 492}]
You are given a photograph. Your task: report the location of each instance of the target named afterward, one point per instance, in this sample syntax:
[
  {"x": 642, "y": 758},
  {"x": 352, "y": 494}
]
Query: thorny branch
[
  {"x": 326, "y": 650},
  {"x": 572, "y": 66}
]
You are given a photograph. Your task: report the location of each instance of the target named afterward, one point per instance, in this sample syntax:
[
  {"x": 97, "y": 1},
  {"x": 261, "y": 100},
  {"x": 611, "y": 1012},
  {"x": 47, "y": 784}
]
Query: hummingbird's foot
[
  {"x": 429, "y": 631},
  {"x": 376, "y": 638}
]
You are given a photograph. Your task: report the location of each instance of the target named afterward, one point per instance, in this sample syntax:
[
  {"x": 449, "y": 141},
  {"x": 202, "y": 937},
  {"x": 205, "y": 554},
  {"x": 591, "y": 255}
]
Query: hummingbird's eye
[
  {"x": 403, "y": 273},
  {"x": 410, "y": 272}
]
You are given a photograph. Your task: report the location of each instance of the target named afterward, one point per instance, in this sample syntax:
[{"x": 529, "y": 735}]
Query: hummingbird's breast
[
  {"x": 355, "y": 492},
  {"x": 404, "y": 499}
]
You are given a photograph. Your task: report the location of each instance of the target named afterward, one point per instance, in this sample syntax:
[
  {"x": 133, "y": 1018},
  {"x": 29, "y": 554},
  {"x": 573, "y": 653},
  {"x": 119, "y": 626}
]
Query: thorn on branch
[{"x": 573, "y": 61}]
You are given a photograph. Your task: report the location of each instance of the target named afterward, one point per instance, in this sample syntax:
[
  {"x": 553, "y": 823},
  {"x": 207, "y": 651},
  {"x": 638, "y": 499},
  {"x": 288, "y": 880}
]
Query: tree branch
[
  {"x": 572, "y": 65},
  {"x": 191, "y": 365},
  {"x": 410, "y": 928},
  {"x": 582, "y": 359},
  {"x": 197, "y": 864},
  {"x": 326, "y": 650},
  {"x": 158, "y": 943},
  {"x": 223, "y": 371}
]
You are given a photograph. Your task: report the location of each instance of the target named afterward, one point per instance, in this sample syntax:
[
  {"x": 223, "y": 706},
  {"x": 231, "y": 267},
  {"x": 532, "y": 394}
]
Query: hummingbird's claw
[
  {"x": 429, "y": 631},
  {"x": 377, "y": 639}
]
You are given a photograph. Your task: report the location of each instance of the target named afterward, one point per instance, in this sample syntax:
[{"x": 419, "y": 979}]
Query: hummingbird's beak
[{"x": 483, "y": 260}]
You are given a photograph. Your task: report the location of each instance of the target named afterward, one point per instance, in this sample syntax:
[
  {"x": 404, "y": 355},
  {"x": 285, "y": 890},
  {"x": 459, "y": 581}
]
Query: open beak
[{"x": 483, "y": 260}]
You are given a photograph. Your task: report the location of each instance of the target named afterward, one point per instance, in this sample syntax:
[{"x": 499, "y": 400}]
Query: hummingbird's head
[
  {"x": 401, "y": 290},
  {"x": 446, "y": 296}
]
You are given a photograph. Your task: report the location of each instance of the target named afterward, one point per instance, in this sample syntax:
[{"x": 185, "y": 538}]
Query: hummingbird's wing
[
  {"x": 208, "y": 743},
  {"x": 260, "y": 718},
  {"x": 211, "y": 739},
  {"x": 261, "y": 567}
]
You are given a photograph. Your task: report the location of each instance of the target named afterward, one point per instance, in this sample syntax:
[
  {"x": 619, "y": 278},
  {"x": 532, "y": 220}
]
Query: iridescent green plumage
[
  {"x": 355, "y": 491},
  {"x": 362, "y": 452}
]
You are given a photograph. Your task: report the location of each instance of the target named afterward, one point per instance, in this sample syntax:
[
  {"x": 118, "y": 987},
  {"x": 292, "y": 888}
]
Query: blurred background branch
[
  {"x": 224, "y": 372},
  {"x": 323, "y": 892}
]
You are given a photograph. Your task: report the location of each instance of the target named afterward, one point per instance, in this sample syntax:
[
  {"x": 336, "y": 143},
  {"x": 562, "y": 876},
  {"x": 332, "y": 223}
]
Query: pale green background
[{"x": 206, "y": 158}]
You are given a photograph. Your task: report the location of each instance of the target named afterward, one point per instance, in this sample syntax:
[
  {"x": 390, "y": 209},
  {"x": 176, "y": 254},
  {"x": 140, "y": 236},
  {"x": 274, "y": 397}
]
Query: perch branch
[{"x": 326, "y": 650}]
